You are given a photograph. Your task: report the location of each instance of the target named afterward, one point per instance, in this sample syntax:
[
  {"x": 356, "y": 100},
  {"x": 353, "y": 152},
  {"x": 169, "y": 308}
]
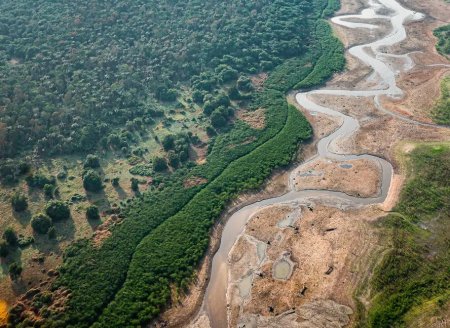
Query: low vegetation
[
  {"x": 441, "y": 111},
  {"x": 414, "y": 276}
]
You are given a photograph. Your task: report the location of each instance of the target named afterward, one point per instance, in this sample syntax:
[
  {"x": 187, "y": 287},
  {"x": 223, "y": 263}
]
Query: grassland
[{"x": 413, "y": 282}]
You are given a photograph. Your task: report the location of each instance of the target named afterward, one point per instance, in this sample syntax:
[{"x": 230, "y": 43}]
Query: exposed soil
[
  {"x": 360, "y": 178},
  {"x": 256, "y": 119}
]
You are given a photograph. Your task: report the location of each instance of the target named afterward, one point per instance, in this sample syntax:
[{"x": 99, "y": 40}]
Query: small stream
[{"x": 371, "y": 54}]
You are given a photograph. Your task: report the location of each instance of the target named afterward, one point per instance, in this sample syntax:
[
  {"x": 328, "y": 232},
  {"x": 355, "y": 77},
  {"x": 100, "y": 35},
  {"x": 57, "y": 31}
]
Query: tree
[
  {"x": 92, "y": 213},
  {"x": 57, "y": 210},
  {"x": 48, "y": 190},
  {"x": 19, "y": 202},
  {"x": 174, "y": 159},
  {"x": 168, "y": 142},
  {"x": 41, "y": 223},
  {"x": 159, "y": 164},
  {"x": 92, "y": 181},
  {"x": 244, "y": 84},
  {"x": 92, "y": 162},
  {"x": 115, "y": 182},
  {"x": 10, "y": 237},
  {"x": 4, "y": 251},
  {"x": 15, "y": 271},
  {"x": 134, "y": 184}
]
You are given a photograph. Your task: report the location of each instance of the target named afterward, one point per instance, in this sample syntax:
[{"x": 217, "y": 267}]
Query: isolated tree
[
  {"x": 41, "y": 223},
  {"x": 115, "y": 182},
  {"x": 135, "y": 184},
  {"x": 48, "y": 190},
  {"x": 10, "y": 237},
  {"x": 92, "y": 213},
  {"x": 15, "y": 271},
  {"x": 168, "y": 142},
  {"x": 92, "y": 181},
  {"x": 57, "y": 210},
  {"x": 19, "y": 202},
  {"x": 92, "y": 162}
]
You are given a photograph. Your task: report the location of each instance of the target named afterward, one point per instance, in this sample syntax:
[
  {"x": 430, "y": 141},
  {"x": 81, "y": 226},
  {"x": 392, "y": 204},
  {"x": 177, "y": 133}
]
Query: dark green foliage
[
  {"x": 134, "y": 184},
  {"x": 4, "y": 250},
  {"x": 92, "y": 213},
  {"x": 15, "y": 271},
  {"x": 11, "y": 170},
  {"x": 159, "y": 164},
  {"x": 41, "y": 223},
  {"x": 443, "y": 35},
  {"x": 168, "y": 142},
  {"x": 92, "y": 181},
  {"x": 57, "y": 210},
  {"x": 39, "y": 180},
  {"x": 48, "y": 190},
  {"x": 10, "y": 237},
  {"x": 115, "y": 181},
  {"x": 244, "y": 84},
  {"x": 89, "y": 74},
  {"x": 91, "y": 162},
  {"x": 19, "y": 202},
  {"x": 415, "y": 271}
]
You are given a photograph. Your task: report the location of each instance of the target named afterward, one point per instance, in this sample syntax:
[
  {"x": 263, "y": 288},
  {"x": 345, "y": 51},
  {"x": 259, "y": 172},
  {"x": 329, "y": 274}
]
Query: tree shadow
[
  {"x": 121, "y": 192},
  {"x": 23, "y": 217}
]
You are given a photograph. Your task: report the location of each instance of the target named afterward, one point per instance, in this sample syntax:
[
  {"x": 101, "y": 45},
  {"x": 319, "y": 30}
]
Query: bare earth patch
[
  {"x": 194, "y": 181},
  {"x": 256, "y": 119},
  {"x": 360, "y": 178}
]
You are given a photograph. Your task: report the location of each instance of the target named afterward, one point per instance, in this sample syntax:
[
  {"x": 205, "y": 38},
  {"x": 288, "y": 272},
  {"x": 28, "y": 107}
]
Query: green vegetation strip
[
  {"x": 171, "y": 252},
  {"x": 441, "y": 111},
  {"x": 443, "y": 35},
  {"x": 416, "y": 271}
]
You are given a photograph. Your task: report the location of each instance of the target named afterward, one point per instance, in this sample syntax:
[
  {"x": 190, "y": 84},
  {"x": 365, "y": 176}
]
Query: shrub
[
  {"x": 10, "y": 236},
  {"x": 57, "y": 210},
  {"x": 92, "y": 162},
  {"x": 92, "y": 213},
  {"x": 135, "y": 184},
  {"x": 159, "y": 164},
  {"x": 41, "y": 223},
  {"x": 48, "y": 190},
  {"x": 19, "y": 202},
  {"x": 15, "y": 271},
  {"x": 92, "y": 181}
]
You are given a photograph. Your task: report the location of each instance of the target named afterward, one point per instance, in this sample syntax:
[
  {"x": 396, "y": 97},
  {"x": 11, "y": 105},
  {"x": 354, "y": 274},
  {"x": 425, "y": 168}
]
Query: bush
[
  {"x": 41, "y": 223},
  {"x": 92, "y": 181},
  {"x": 115, "y": 182},
  {"x": 19, "y": 202},
  {"x": 159, "y": 164},
  {"x": 48, "y": 190},
  {"x": 10, "y": 236},
  {"x": 92, "y": 213},
  {"x": 57, "y": 210},
  {"x": 134, "y": 184},
  {"x": 39, "y": 180},
  {"x": 15, "y": 271},
  {"x": 92, "y": 162}
]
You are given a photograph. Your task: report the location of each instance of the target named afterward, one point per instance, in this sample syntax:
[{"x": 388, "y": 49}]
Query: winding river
[{"x": 372, "y": 54}]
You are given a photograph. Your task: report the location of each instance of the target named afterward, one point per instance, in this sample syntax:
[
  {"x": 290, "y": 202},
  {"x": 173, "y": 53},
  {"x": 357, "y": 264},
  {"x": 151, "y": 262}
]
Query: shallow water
[
  {"x": 215, "y": 302},
  {"x": 282, "y": 270}
]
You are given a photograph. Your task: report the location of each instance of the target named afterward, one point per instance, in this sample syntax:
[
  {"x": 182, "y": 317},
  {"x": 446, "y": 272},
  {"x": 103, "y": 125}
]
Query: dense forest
[
  {"x": 97, "y": 73},
  {"x": 73, "y": 74}
]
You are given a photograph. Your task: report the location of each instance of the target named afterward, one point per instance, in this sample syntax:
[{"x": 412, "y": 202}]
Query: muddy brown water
[{"x": 215, "y": 299}]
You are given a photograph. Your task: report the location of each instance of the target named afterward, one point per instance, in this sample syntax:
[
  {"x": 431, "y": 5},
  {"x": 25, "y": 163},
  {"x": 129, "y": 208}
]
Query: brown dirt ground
[
  {"x": 256, "y": 119},
  {"x": 361, "y": 180}
]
